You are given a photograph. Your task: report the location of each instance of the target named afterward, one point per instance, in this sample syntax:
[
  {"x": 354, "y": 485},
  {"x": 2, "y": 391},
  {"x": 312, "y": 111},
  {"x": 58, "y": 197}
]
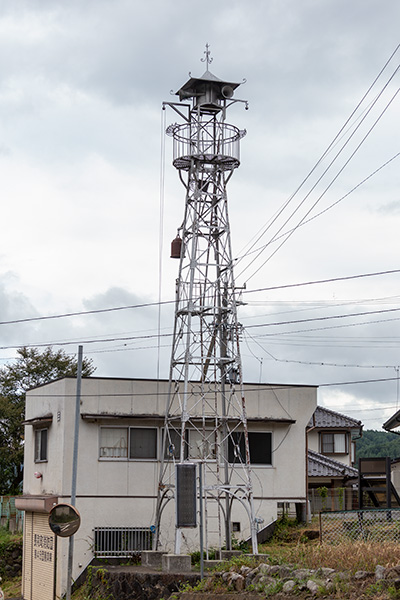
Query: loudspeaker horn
[{"x": 227, "y": 91}]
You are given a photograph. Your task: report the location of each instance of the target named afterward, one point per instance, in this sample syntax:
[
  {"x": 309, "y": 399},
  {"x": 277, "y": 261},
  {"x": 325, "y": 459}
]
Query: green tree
[
  {"x": 31, "y": 368},
  {"x": 374, "y": 444}
]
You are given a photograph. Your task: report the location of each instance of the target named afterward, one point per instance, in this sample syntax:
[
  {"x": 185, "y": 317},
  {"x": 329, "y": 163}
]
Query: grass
[
  {"x": 350, "y": 556},
  {"x": 290, "y": 545},
  {"x": 7, "y": 536},
  {"x": 11, "y": 587},
  {"x": 81, "y": 594}
]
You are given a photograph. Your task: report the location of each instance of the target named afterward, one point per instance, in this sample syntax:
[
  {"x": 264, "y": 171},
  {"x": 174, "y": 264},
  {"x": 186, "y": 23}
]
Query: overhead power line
[
  {"x": 88, "y": 341},
  {"x": 313, "y": 363},
  {"x": 248, "y": 390},
  {"x": 86, "y": 312},
  {"x": 328, "y": 327},
  {"x": 267, "y": 226},
  {"x": 165, "y": 302},
  {"x": 357, "y": 382},
  {"x": 312, "y": 319},
  {"x": 318, "y": 281},
  {"x": 152, "y": 336},
  {"x": 288, "y": 232},
  {"x": 277, "y": 235}
]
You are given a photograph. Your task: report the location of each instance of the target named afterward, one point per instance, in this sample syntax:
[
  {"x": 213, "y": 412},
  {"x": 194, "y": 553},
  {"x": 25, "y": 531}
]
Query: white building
[{"x": 119, "y": 456}]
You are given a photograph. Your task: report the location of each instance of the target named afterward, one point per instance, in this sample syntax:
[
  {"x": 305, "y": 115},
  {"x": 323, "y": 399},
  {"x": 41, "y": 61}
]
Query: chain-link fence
[{"x": 375, "y": 525}]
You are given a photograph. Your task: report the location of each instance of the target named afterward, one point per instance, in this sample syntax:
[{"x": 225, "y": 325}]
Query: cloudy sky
[{"x": 87, "y": 219}]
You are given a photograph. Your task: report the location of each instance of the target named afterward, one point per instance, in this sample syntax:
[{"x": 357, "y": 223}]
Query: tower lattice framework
[{"x": 205, "y": 419}]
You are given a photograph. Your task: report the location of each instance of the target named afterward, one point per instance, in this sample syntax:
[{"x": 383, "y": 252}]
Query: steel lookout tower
[{"x": 205, "y": 420}]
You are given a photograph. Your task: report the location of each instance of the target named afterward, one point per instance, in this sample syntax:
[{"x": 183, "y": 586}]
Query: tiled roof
[
  {"x": 323, "y": 417},
  {"x": 322, "y": 466}
]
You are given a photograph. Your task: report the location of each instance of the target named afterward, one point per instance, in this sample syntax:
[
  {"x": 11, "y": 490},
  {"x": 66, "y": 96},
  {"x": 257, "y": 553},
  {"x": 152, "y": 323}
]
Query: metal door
[{"x": 38, "y": 581}]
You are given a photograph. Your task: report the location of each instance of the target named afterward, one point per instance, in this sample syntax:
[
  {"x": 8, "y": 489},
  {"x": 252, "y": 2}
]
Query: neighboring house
[
  {"x": 331, "y": 439},
  {"x": 333, "y": 435},
  {"x": 391, "y": 425},
  {"x": 119, "y": 457}
]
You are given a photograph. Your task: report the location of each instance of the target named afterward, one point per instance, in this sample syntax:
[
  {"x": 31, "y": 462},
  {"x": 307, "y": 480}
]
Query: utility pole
[{"x": 205, "y": 419}]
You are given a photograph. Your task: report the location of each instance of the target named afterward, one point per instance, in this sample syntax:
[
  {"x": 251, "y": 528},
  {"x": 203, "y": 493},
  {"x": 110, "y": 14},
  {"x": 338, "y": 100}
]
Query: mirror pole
[{"x": 74, "y": 466}]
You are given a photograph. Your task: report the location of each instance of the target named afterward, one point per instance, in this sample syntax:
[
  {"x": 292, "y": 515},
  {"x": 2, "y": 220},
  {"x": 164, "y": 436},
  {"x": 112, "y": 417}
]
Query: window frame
[
  {"x": 40, "y": 433},
  {"x": 187, "y": 445},
  {"x": 333, "y": 434},
  {"x": 112, "y": 458},
  {"x": 212, "y": 444},
  {"x": 156, "y": 447},
  {"x": 128, "y": 457},
  {"x": 251, "y": 438}
]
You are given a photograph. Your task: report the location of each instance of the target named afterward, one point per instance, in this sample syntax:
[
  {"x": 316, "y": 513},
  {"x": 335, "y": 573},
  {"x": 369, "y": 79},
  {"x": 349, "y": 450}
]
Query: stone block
[
  {"x": 228, "y": 554},
  {"x": 260, "y": 557},
  {"x": 211, "y": 564},
  {"x": 176, "y": 563},
  {"x": 152, "y": 559}
]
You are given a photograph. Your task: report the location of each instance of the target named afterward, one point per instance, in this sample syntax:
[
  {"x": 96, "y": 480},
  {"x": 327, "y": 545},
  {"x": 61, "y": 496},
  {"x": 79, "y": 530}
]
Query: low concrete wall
[{"x": 135, "y": 583}]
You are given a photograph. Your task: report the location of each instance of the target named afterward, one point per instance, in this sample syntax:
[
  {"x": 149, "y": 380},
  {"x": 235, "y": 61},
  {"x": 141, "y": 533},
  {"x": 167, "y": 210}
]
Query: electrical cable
[
  {"x": 312, "y": 319},
  {"x": 309, "y": 306},
  {"x": 285, "y": 233},
  {"x": 164, "y": 335},
  {"x": 312, "y": 363},
  {"x": 319, "y": 281},
  {"x": 165, "y": 302},
  {"x": 273, "y": 391},
  {"x": 290, "y": 233},
  {"x": 329, "y": 327},
  {"x": 86, "y": 312},
  {"x": 329, "y": 146},
  {"x": 248, "y": 390}
]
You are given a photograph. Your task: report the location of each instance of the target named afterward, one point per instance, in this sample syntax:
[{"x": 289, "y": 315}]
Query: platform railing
[{"x": 208, "y": 142}]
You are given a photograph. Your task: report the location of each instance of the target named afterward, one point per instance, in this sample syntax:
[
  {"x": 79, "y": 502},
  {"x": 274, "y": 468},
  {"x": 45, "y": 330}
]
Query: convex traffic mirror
[{"x": 64, "y": 520}]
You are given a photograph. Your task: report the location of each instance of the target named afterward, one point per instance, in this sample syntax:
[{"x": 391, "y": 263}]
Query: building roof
[
  {"x": 322, "y": 466},
  {"x": 323, "y": 417},
  {"x": 393, "y": 422},
  {"x": 248, "y": 385}
]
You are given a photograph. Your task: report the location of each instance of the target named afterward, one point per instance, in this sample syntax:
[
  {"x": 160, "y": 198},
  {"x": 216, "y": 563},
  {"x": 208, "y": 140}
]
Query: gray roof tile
[
  {"x": 322, "y": 466},
  {"x": 323, "y": 417}
]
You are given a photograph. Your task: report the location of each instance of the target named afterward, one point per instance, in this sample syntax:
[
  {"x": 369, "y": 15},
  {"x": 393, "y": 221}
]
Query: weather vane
[{"x": 208, "y": 59}]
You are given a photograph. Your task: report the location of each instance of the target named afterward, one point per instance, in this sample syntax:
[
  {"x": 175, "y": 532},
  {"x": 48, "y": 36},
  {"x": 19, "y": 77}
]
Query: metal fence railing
[
  {"x": 121, "y": 542},
  {"x": 373, "y": 525}
]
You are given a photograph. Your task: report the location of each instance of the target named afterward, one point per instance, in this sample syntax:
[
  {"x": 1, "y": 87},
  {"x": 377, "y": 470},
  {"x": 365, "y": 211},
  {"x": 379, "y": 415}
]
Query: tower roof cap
[{"x": 196, "y": 85}]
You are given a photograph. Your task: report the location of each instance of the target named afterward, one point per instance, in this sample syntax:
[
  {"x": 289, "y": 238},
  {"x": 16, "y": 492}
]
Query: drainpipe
[
  {"x": 360, "y": 432},
  {"x": 307, "y": 432}
]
